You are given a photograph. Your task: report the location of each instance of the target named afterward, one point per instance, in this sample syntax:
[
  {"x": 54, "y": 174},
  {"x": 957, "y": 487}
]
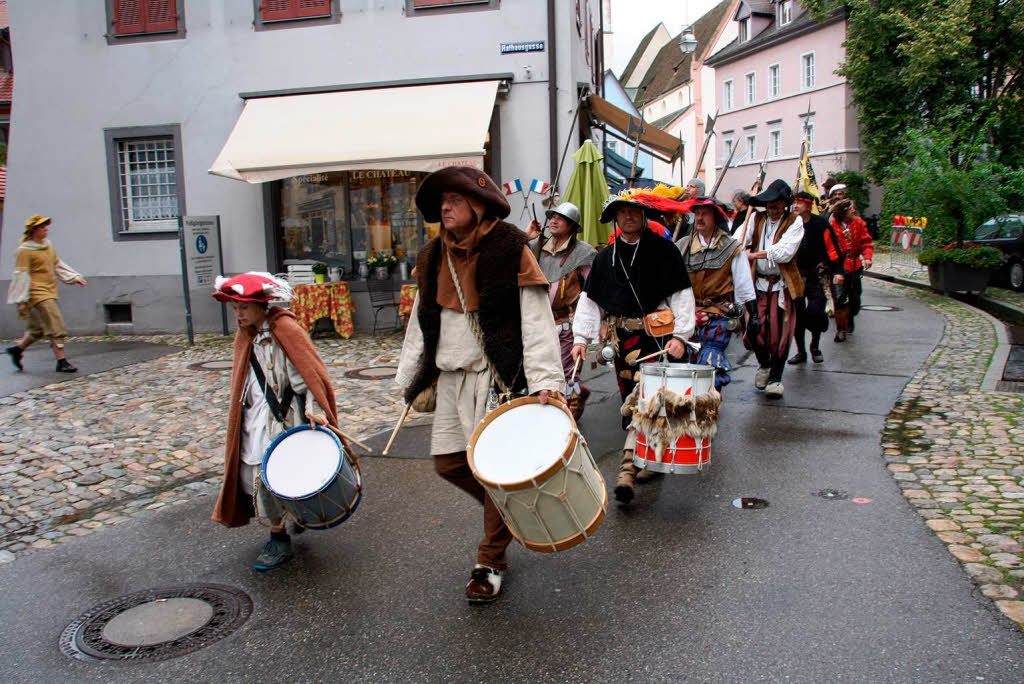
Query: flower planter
[
  {"x": 949, "y": 277},
  {"x": 318, "y": 277},
  {"x": 381, "y": 272}
]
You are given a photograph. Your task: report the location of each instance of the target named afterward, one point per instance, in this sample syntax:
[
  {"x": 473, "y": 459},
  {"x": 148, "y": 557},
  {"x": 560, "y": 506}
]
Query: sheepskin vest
[{"x": 497, "y": 283}]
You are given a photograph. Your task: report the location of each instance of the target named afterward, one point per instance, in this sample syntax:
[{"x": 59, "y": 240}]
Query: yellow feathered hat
[{"x": 33, "y": 222}]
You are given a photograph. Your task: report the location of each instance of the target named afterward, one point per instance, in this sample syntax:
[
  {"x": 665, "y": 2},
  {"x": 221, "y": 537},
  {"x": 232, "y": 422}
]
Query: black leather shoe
[
  {"x": 64, "y": 367},
  {"x": 16, "y": 353},
  {"x": 799, "y": 357}
]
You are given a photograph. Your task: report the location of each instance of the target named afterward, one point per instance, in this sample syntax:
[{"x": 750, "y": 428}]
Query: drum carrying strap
[{"x": 278, "y": 409}]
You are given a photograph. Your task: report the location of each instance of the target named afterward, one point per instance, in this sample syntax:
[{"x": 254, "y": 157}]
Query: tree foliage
[
  {"x": 940, "y": 63},
  {"x": 952, "y": 181}
]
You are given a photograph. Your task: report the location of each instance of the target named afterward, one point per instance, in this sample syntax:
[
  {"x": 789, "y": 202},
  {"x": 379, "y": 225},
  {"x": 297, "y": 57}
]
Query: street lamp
[{"x": 687, "y": 41}]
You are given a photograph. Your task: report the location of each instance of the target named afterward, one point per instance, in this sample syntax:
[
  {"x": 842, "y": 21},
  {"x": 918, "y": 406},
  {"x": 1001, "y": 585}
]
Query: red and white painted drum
[{"x": 688, "y": 455}]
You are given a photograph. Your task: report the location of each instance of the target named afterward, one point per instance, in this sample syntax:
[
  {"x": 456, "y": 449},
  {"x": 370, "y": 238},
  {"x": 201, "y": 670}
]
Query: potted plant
[
  {"x": 965, "y": 268},
  {"x": 381, "y": 264},
  {"x": 319, "y": 271}
]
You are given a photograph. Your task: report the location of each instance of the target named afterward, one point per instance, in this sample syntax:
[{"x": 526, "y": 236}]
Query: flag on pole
[
  {"x": 513, "y": 186},
  {"x": 806, "y": 180},
  {"x": 539, "y": 186}
]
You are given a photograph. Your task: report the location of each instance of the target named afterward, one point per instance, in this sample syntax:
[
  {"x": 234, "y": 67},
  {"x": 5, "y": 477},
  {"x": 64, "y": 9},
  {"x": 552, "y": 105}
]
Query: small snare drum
[{"x": 688, "y": 455}]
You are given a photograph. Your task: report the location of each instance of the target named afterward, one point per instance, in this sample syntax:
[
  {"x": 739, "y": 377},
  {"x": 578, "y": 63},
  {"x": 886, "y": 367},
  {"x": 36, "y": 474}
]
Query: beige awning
[
  {"x": 654, "y": 138},
  {"x": 412, "y": 128}
]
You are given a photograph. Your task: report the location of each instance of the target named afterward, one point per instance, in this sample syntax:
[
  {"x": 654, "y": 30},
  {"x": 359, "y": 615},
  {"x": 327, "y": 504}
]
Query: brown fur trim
[{"x": 684, "y": 415}]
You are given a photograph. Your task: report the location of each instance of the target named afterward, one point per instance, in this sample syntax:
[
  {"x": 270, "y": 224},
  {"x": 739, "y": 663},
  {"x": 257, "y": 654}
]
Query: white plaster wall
[{"x": 71, "y": 85}]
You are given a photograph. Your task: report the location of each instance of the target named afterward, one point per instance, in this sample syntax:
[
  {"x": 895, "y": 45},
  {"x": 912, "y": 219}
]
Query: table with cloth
[
  {"x": 405, "y": 301},
  {"x": 310, "y": 303}
]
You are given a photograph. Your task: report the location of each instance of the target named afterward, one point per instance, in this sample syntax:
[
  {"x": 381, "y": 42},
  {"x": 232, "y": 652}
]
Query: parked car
[{"x": 1005, "y": 233}]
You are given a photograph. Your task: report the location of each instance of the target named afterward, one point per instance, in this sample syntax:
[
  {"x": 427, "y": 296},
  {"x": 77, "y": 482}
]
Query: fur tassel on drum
[{"x": 685, "y": 415}]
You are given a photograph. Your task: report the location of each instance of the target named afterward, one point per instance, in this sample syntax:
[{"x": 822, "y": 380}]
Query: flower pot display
[
  {"x": 381, "y": 272},
  {"x": 318, "y": 278}
]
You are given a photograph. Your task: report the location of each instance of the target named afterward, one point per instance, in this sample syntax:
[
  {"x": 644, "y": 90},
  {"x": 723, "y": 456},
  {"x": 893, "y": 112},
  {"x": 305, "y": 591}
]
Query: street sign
[
  {"x": 201, "y": 262},
  {"x": 201, "y": 235}
]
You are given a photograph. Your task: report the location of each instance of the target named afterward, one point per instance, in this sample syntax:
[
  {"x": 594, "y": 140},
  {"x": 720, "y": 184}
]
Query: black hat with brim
[
  {"x": 778, "y": 190},
  {"x": 612, "y": 205}
]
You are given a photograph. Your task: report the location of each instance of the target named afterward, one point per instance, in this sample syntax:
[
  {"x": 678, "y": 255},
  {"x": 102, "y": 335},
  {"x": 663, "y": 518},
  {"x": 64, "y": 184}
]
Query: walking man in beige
[{"x": 34, "y": 290}]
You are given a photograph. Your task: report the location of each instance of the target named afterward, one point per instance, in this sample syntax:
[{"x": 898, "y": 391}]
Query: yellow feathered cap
[{"x": 34, "y": 221}]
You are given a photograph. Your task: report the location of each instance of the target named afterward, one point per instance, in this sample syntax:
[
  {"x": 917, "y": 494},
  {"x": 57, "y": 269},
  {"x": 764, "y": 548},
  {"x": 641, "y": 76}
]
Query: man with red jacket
[{"x": 850, "y": 250}]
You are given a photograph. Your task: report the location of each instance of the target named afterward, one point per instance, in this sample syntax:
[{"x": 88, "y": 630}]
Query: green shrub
[
  {"x": 975, "y": 257},
  {"x": 953, "y": 183}
]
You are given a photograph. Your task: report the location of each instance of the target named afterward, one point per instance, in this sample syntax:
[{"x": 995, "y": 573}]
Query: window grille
[{"x": 149, "y": 189}]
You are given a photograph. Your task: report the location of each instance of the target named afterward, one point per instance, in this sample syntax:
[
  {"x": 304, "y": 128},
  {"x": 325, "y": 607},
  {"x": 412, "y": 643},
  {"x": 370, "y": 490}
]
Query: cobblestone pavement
[
  {"x": 89, "y": 453},
  {"x": 957, "y": 452}
]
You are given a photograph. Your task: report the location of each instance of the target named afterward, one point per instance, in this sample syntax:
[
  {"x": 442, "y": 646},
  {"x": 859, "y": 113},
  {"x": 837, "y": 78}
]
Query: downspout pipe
[{"x": 552, "y": 94}]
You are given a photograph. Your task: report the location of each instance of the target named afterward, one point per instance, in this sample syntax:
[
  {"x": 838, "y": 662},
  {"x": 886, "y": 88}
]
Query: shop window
[
  {"x": 283, "y": 13},
  {"x": 145, "y": 177},
  {"x": 344, "y": 218},
  {"x": 144, "y": 20}
]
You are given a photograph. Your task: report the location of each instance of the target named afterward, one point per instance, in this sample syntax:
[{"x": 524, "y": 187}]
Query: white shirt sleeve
[
  {"x": 742, "y": 283},
  {"x": 412, "y": 348},
  {"x": 684, "y": 312},
  {"x": 542, "y": 355},
  {"x": 783, "y": 251},
  {"x": 66, "y": 274},
  {"x": 18, "y": 290},
  {"x": 586, "y": 325}
]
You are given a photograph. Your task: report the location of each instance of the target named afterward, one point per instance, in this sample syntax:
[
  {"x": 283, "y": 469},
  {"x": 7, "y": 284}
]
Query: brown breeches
[{"x": 491, "y": 551}]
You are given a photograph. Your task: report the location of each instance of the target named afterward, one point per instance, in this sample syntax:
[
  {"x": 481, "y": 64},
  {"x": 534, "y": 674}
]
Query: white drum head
[
  {"x": 302, "y": 463},
  {"x": 522, "y": 443}
]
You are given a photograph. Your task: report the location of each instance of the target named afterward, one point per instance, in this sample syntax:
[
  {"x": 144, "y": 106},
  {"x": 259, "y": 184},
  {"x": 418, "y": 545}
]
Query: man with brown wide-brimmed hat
[{"x": 481, "y": 325}]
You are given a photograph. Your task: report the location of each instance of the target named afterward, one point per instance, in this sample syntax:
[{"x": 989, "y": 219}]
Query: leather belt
[{"x": 630, "y": 324}]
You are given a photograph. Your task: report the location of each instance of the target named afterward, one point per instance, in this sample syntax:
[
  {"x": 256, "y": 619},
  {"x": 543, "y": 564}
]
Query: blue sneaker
[{"x": 275, "y": 554}]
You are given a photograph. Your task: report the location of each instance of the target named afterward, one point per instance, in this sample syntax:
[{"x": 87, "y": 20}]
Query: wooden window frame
[
  {"x": 128, "y": 38},
  {"x": 414, "y": 9}
]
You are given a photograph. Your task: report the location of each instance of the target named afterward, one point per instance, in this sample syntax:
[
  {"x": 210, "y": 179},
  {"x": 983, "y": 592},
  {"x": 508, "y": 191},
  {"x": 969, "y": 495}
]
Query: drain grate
[
  {"x": 217, "y": 366},
  {"x": 156, "y": 624},
  {"x": 832, "y": 494},
  {"x": 373, "y": 373},
  {"x": 878, "y": 307}
]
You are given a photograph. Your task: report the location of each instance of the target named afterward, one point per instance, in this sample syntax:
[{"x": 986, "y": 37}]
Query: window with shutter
[
  {"x": 129, "y": 17},
  {"x": 281, "y": 10},
  {"x": 145, "y": 16},
  {"x": 442, "y": 3}
]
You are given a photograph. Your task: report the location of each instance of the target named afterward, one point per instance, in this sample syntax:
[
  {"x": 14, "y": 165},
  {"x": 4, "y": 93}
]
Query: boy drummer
[{"x": 277, "y": 381}]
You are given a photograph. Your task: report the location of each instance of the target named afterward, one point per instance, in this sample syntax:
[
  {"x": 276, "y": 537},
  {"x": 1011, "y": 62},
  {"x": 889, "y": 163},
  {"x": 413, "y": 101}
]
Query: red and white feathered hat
[{"x": 254, "y": 286}]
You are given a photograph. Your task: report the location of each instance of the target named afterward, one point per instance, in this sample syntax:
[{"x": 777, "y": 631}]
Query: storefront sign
[
  {"x": 201, "y": 235},
  {"x": 525, "y": 46}
]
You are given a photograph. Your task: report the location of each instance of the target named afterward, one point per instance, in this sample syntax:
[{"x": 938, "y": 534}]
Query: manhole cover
[
  {"x": 218, "y": 365},
  {"x": 878, "y": 307},
  {"x": 749, "y": 502},
  {"x": 156, "y": 624},
  {"x": 373, "y": 373},
  {"x": 831, "y": 494}
]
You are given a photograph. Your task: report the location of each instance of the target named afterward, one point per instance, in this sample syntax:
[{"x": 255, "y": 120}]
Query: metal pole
[
  {"x": 223, "y": 306},
  {"x": 184, "y": 283}
]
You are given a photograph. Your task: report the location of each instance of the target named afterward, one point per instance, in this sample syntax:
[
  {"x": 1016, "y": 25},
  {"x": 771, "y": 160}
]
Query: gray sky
[{"x": 632, "y": 19}]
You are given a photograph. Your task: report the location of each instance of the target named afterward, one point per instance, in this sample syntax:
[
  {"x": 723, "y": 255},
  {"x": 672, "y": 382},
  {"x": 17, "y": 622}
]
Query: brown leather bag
[{"x": 659, "y": 323}]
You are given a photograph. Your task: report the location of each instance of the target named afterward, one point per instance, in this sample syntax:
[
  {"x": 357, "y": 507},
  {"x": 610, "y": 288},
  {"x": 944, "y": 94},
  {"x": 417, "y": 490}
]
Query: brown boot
[
  {"x": 645, "y": 476},
  {"x": 627, "y": 478},
  {"x": 578, "y": 403}
]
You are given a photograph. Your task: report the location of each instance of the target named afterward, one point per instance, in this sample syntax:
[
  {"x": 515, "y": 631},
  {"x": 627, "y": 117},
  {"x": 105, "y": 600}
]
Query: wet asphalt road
[
  {"x": 88, "y": 357},
  {"x": 680, "y": 586}
]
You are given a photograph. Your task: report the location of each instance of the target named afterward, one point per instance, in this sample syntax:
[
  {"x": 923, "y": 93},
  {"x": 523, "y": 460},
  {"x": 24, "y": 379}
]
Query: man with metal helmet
[
  {"x": 640, "y": 274},
  {"x": 720, "y": 275},
  {"x": 771, "y": 249},
  {"x": 565, "y": 261}
]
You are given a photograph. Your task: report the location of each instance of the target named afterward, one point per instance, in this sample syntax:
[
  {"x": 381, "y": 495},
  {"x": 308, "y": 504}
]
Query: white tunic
[{"x": 782, "y": 252}]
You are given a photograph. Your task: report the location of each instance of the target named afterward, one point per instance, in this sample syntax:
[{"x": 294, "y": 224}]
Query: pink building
[{"x": 776, "y": 82}]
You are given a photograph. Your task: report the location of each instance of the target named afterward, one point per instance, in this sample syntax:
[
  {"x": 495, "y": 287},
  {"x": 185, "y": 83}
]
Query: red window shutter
[
  {"x": 129, "y": 17},
  {"x": 275, "y": 10},
  {"x": 161, "y": 15},
  {"x": 312, "y": 8}
]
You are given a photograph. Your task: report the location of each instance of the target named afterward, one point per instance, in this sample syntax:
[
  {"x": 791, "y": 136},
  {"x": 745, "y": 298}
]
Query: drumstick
[
  {"x": 349, "y": 439},
  {"x": 649, "y": 356},
  {"x": 575, "y": 368},
  {"x": 398, "y": 426}
]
